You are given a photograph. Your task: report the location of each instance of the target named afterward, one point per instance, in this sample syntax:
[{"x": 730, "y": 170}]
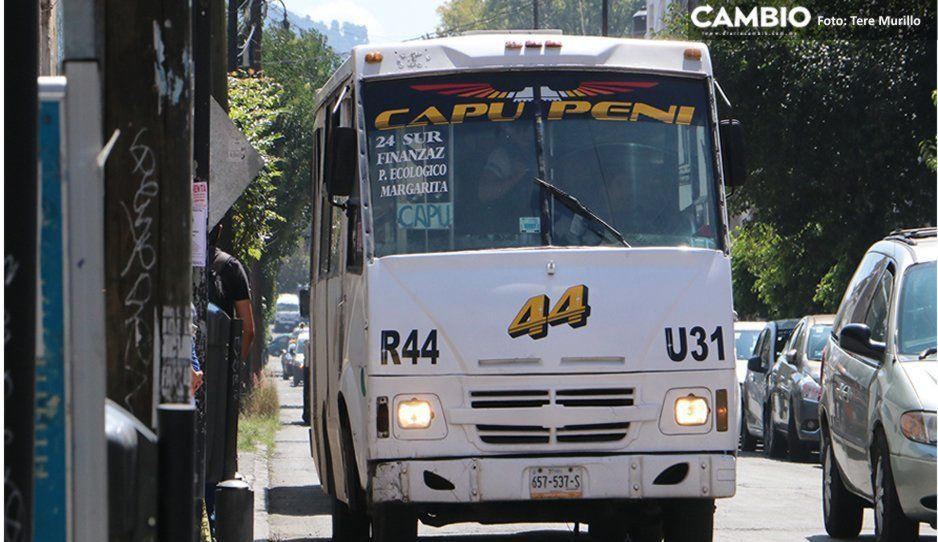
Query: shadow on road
[
  {"x": 861, "y": 538},
  {"x": 298, "y": 501}
]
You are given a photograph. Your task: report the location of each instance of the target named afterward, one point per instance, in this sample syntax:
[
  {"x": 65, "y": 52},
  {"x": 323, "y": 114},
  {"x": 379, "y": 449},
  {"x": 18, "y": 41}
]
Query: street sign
[
  {"x": 50, "y": 475},
  {"x": 233, "y": 164}
]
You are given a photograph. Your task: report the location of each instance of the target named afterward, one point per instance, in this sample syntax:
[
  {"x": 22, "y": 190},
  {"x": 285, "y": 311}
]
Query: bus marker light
[
  {"x": 692, "y": 53},
  {"x": 512, "y": 45},
  {"x": 414, "y": 414},
  {"x": 373, "y": 57},
  {"x": 554, "y": 44},
  {"x": 691, "y": 410}
]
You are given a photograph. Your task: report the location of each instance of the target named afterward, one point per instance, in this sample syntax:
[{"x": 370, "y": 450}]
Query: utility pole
[
  {"x": 536, "y": 26},
  {"x": 256, "y": 32},
  {"x": 605, "y": 17},
  {"x": 148, "y": 267},
  {"x": 21, "y": 34},
  {"x": 233, "y": 63}
]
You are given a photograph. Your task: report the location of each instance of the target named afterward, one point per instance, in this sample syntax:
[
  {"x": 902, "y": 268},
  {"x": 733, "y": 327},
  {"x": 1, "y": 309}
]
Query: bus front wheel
[{"x": 393, "y": 523}]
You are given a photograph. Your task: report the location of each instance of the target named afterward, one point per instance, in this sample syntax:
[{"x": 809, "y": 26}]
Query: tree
[
  {"x": 833, "y": 140},
  {"x": 582, "y": 17},
  {"x": 274, "y": 109}
]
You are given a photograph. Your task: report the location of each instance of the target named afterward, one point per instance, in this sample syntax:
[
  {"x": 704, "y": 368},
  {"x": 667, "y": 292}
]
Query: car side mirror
[
  {"x": 855, "y": 338},
  {"x": 341, "y": 158},
  {"x": 755, "y": 364},
  {"x": 791, "y": 356},
  {"x": 732, "y": 151}
]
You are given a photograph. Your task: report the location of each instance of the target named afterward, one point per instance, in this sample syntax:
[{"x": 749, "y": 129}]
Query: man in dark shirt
[{"x": 232, "y": 291}]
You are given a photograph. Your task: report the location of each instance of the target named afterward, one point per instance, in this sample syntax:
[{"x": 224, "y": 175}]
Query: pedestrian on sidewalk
[{"x": 230, "y": 290}]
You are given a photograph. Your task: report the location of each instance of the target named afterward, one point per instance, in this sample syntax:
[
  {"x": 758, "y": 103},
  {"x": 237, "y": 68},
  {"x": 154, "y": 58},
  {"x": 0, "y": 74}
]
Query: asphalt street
[{"x": 775, "y": 501}]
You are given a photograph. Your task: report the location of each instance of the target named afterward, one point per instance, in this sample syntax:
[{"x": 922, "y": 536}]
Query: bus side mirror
[
  {"x": 755, "y": 364},
  {"x": 732, "y": 148},
  {"x": 341, "y": 158},
  {"x": 304, "y": 302}
]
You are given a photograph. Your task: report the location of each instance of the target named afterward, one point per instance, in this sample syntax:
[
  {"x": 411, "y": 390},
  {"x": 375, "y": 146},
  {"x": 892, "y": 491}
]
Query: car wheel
[
  {"x": 774, "y": 444},
  {"x": 747, "y": 442},
  {"x": 797, "y": 449},
  {"x": 842, "y": 510},
  {"x": 393, "y": 523},
  {"x": 891, "y": 523},
  {"x": 688, "y": 520}
]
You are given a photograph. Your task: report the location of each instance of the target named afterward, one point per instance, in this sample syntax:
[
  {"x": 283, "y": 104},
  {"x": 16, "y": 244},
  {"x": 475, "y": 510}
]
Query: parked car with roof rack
[{"x": 879, "y": 394}]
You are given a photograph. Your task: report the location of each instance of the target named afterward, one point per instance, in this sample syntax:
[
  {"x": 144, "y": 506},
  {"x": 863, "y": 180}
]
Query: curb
[{"x": 261, "y": 473}]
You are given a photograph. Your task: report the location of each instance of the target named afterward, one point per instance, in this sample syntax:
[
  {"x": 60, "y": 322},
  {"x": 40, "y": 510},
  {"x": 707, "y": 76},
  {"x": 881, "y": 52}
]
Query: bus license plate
[{"x": 556, "y": 482}]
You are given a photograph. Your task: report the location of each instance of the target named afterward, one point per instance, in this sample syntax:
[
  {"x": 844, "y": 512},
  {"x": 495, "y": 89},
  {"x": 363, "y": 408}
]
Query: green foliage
[
  {"x": 840, "y": 151},
  {"x": 275, "y": 111},
  {"x": 255, "y": 106},
  {"x": 572, "y": 16},
  {"x": 299, "y": 63}
]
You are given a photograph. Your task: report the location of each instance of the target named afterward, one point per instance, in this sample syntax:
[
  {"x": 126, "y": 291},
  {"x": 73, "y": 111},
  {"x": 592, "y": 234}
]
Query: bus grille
[{"x": 521, "y": 433}]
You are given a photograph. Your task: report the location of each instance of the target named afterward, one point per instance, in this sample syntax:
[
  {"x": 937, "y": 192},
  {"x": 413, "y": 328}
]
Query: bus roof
[{"x": 500, "y": 51}]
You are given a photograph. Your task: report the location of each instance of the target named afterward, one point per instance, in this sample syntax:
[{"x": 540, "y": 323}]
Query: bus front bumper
[{"x": 490, "y": 479}]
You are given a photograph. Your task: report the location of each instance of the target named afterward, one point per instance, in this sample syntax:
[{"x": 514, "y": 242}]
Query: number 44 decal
[{"x": 532, "y": 320}]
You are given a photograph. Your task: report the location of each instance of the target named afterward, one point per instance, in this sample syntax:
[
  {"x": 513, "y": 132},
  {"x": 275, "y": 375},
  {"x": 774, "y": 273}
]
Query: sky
[{"x": 387, "y": 20}]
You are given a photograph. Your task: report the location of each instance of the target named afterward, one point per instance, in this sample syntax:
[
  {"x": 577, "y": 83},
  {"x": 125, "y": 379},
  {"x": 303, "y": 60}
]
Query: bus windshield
[{"x": 532, "y": 159}]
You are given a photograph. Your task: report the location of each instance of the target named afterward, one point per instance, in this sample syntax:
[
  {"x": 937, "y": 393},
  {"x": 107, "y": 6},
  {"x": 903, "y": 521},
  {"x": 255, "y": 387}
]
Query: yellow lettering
[
  {"x": 432, "y": 114},
  {"x": 685, "y": 114},
  {"x": 383, "y": 120},
  {"x": 461, "y": 111},
  {"x": 495, "y": 112},
  {"x": 612, "y": 110},
  {"x": 561, "y": 107},
  {"x": 654, "y": 112}
]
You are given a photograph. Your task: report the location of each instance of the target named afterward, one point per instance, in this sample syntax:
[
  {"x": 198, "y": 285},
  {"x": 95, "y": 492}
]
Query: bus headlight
[
  {"x": 414, "y": 414},
  {"x": 691, "y": 410}
]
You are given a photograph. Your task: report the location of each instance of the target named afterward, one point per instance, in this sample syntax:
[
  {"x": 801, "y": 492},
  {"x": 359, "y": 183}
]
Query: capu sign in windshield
[{"x": 454, "y": 161}]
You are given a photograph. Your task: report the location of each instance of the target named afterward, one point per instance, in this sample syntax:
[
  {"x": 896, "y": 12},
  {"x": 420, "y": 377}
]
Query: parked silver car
[
  {"x": 755, "y": 409},
  {"x": 879, "y": 393},
  {"x": 794, "y": 389}
]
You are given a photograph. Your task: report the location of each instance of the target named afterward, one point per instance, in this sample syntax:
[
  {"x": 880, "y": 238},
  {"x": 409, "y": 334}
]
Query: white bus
[{"x": 521, "y": 302}]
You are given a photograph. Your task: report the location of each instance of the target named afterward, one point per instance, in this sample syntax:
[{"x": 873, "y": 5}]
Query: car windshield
[
  {"x": 453, "y": 161},
  {"x": 817, "y": 340},
  {"x": 746, "y": 343},
  {"x": 288, "y": 307},
  {"x": 917, "y": 306}
]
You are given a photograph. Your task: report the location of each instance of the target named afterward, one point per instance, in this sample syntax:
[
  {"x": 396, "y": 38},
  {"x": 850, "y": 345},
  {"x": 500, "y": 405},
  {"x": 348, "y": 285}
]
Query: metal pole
[
  {"x": 605, "y": 17},
  {"x": 233, "y": 405},
  {"x": 20, "y": 220},
  {"x": 232, "y": 35},
  {"x": 176, "y": 465},
  {"x": 536, "y": 25}
]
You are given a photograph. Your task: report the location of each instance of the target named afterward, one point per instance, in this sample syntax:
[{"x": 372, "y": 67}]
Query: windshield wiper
[
  {"x": 928, "y": 352},
  {"x": 577, "y": 207}
]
